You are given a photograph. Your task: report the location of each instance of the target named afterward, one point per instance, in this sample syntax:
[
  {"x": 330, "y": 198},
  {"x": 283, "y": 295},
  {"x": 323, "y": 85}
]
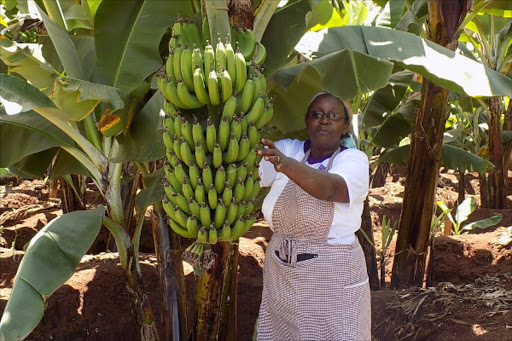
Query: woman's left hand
[{"x": 273, "y": 155}]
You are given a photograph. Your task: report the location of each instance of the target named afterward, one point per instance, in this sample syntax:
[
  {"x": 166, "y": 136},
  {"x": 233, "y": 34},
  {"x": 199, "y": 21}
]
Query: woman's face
[{"x": 326, "y": 122}]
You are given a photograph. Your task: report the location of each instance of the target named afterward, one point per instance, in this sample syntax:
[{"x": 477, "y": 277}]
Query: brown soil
[{"x": 470, "y": 297}]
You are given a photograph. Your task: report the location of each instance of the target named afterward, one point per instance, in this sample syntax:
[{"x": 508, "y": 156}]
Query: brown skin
[{"x": 325, "y": 137}]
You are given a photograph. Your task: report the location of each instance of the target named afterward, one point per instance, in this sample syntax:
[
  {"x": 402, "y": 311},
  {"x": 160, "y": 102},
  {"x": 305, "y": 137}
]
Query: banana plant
[{"x": 85, "y": 103}]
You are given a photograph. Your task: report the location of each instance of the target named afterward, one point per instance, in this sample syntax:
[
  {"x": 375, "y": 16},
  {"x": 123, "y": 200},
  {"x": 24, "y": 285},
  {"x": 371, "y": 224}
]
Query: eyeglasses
[{"x": 332, "y": 116}]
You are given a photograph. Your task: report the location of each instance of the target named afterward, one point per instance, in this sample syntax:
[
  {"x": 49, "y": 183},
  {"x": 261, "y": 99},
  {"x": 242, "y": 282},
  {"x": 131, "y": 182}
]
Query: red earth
[{"x": 470, "y": 297}]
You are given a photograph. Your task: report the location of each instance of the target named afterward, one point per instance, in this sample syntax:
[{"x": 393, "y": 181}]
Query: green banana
[
  {"x": 266, "y": 116},
  {"x": 220, "y": 214},
  {"x": 202, "y": 236},
  {"x": 236, "y": 128},
  {"x": 241, "y": 71},
  {"x": 182, "y": 203},
  {"x": 186, "y": 68},
  {"x": 212, "y": 235},
  {"x": 177, "y": 147},
  {"x": 170, "y": 109},
  {"x": 249, "y": 208},
  {"x": 227, "y": 193},
  {"x": 248, "y": 186},
  {"x": 238, "y": 192},
  {"x": 168, "y": 123},
  {"x": 191, "y": 101},
  {"x": 230, "y": 59},
  {"x": 173, "y": 42},
  {"x": 176, "y": 62},
  {"x": 253, "y": 134},
  {"x": 178, "y": 124},
  {"x": 244, "y": 147},
  {"x": 194, "y": 32},
  {"x": 241, "y": 208},
  {"x": 197, "y": 134},
  {"x": 255, "y": 189},
  {"x": 168, "y": 207},
  {"x": 223, "y": 133},
  {"x": 212, "y": 197},
  {"x": 225, "y": 233},
  {"x": 231, "y": 172},
  {"x": 241, "y": 172},
  {"x": 220, "y": 56},
  {"x": 193, "y": 206},
  {"x": 171, "y": 178},
  {"x": 205, "y": 28},
  {"x": 188, "y": 191},
  {"x": 238, "y": 229},
  {"x": 186, "y": 153},
  {"x": 201, "y": 158},
  {"x": 199, "y": 86},
  {"x": 263, "y": 81},
  {"x": 176, "y": 28},
  {"x": 169, "y": 66},
  {"x": 231, "y": 211},
  {"x": 197, "y": 57},
  {"x": 173, "y": 197},
  {"x": 209, "y": 59},
  {"x": 207, "y": 176},
  {"x": 257, "y": 110},
  {"x": 180, "y": 230},
  {"x": 256, "y": 173},
  {"x": 248, "y": 222},
  {"x": 192, "y": 226},
  {"x": 217, "y": 156},
  {"x": 199, "y": 193},
  {"x": 248, "y": 43},
  {"x": 231, "y": 153},
  {"x": 230, "y": 108},
  {"x": 213, "y": 88},
  {"x": 243, "y": 122},
  {"x": 180, "y": 217},
  {"x": 193, "y": 174},
  {"x": 171, "y": 93},
  {"x": 220, "y": 179},
  {"x": 260, "y": 54},
  {"x": 226, "y": 85},
  {"x": 186, "y": 131},
  {"x": 246, "y": 96},
  {"x": 180, "y": 172},
  {"x": 204, "y": 215},
  {"x": 211, "y": 135},
  {"x": 168, "y": 141}
]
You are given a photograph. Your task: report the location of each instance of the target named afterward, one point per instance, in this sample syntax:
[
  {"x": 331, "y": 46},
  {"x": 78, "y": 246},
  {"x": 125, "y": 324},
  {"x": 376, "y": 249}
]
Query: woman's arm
[{"x": 319, "y": 184}]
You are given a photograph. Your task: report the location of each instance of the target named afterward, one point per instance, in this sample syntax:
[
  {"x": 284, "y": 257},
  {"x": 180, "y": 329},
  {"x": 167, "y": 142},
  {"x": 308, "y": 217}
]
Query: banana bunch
[{"x": 211, "y": 169}]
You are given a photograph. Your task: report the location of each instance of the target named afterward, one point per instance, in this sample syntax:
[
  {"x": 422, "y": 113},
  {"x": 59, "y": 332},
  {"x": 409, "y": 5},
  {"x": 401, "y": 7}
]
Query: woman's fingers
[{"x": 268, "y": 143}]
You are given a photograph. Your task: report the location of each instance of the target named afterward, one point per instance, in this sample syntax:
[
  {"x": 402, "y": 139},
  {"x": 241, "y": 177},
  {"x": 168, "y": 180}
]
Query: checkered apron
[{"x": 326, "y": 297}]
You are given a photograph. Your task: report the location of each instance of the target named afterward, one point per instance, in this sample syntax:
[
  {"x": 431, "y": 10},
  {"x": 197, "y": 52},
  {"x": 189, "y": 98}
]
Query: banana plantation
[{"x": 130, "y": 173}]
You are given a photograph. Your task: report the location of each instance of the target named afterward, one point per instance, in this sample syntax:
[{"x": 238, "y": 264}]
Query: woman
[{"x": 315, "y": 285}]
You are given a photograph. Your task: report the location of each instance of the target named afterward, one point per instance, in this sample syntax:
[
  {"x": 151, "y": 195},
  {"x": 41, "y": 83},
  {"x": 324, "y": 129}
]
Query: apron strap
[{"x": 329, "y": 164}]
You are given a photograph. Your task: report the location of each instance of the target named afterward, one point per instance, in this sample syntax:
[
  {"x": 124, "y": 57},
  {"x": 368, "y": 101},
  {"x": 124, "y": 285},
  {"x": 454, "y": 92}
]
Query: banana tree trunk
[
  {"x": 497, "y": 184},
  {"x": 443, "y": 21},
  {"x": 368, "y": 249},
  {"x": 172, "y": 279}
]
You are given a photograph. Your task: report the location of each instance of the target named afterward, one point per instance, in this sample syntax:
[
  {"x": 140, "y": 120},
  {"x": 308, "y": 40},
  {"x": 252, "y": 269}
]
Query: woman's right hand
[{"x": 273, "y": 155}]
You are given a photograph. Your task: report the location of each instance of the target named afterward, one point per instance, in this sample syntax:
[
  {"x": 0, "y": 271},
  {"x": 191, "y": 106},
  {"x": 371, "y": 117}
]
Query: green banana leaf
[
  {"x": 27, "y": 133},
  {"x": 293, "y": 87},
  {"x": 19, "y": 91},
  {"x": 484, "y": 223},
  {"x": 153, "y": 192},
  {"x": 385, "y": 100},
  {"x": 438, "y": 64},
  {"x": 453, "y": 158},
  {"x": 33, "y": 166},
  {"x": 284, "y": 30},
  {"x": 66, "y": 164},
  {"x": 143, "y": 142},
  {"x": 76, "y": 14},
  {"x": 49, "y": 261},
  {"x": 127, "y": 48},
  {"x": 21, "y": 60}
]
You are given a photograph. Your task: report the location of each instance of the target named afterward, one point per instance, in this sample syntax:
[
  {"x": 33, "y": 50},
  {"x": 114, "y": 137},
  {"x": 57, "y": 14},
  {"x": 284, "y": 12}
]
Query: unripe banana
[
  {"x": 223, "y": 133},
  {"x": 196, "y": 39},
  {"x": 171, "y": 93},
  {"x": 180, "y": 217},
  {"x": 201, "y": 158},
  {"x": 230, "y": 108},
  {"x": 188, "y": 191},
  {"x": 212, "y": 235},
  {"x": 168, "y": 207},
  {"x": 212, "y": 197},
  {"x": 191, "y": 101},
  {"x": 186, "y": 68},
  {"x": 217, "y": 156},
  {"x": 170, "y": 109},
  {"x": 236, "y": 128},
  {"x": 180, "y": 172},
  {"x": 231, "y": 212},
  {"x": 199, "y": 192},
  {"x": 200, "y": 86},
  {"x": 243, "y": 122},
  {"x": 243, "y": 148},
  {"x": 204, "y": 215},
  {"x": 192, "y": 226},
  {"x": 255, "y": 173},
  {"x": 248, "y": 186},
  {"x": 181, "y": 202},
  {"x": 231, "y": 172},
  {"x": 209, "y": 59},
  {"x": 178, "y": 124},
  {"x": 180, "y": 230},
  {"x": 193, "y": 174},
  {"x": 260, "y": 54},
  {"x": 241, "y": 71},
  {"x": 213, "y": 88},
  {"x": 176, "y": 28},
  {"x": 220, "y": 214},
  {"x": 220, "y": 179},
  {"x": 249, "y": 44},
  {"x": 238, "y": 192},
  {"x": 226, "y": 85},
  {"x": 168, "y": 125},
  {"x": 197, "y": 57},
  {"x": 177, "y": 147},
  {"x": 246, "y": 96},
  {"x": 220, "y": 56},
  {"x": 186, "y": 153},
  {"x": 186, "y": 131},
  {"x": 241, "y": 172},
  {"x": 207, "y": 176},
  {"x": 227, "y": 193},
  {"x": 265, "y": 117},
  {"x": 238, "y": 230},
  {"x": 255, "y": 189},
  {"x": 171, "y": 178},
  {"x": 249, "y": 222},
  {"x": 173, "y": 42},
  {"x": 205, "y": 30},
  {"x": 241, "y": 208},
  {"x": 257, "y": 90},
  {"x": 230, "y": 155},
  {"x": 176, "y": 61},
  {"x": 194, "y": 207},
  {"x": 168, "y": 141},
  {"x": 249, "y": 207},
  {"x": 230, "y": 60},
  {"x": 256, "y": 111},
  {"x": 169, "y": 190},
  {"x": 211, "y": 135},
  {"x": 202, "y": 236},
  {"x": 197, "y": 134},
  {"x": 225, "y": 233},
  {"x": 263, "y": 82},
  {"x": 169, "y": 66}
]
